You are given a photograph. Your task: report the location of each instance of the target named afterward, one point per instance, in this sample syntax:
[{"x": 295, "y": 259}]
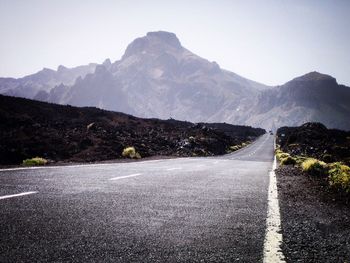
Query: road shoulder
[{"x": 315, "y": 224}]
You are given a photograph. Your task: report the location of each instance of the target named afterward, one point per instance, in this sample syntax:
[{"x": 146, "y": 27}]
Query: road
[{"x": 174, "y": 210}]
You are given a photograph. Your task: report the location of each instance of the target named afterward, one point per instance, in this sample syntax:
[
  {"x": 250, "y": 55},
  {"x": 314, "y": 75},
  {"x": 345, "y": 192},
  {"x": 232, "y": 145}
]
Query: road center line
[
  {"x": 273, "y": 236},
  {"x": 16, "y": 195},
  {"x": 123, "y": 177}
]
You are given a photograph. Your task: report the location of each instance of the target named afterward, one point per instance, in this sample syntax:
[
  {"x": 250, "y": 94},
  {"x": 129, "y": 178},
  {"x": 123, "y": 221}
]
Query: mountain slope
[
  {"x": 43, "y": 81},
  {"x": 157, "y": 77},
  {"x": 313, "y": 97}
]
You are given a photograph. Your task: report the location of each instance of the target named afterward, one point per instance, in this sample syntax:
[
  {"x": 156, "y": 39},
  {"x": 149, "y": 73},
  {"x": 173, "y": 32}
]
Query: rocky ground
[
  {"x": 315, "y": 140},
  {"x": 71, "y": 134},
  {"x": 315, "y": 217},
  {"x": 315, "y": 220}
]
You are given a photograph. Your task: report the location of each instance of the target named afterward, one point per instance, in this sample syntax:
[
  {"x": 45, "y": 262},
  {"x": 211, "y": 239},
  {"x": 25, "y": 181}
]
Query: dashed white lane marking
[
  {"x": 257, "y": 148},
  {"x": 175, "y": 168},
  {"x": 16, "y": 195},
  {"x": 123, "y": 177},
  {"x": 273, "y": 235}
]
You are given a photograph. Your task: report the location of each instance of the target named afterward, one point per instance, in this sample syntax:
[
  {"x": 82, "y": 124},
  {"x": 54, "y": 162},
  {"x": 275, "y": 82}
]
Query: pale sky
[{"x": 267, "y": 41}]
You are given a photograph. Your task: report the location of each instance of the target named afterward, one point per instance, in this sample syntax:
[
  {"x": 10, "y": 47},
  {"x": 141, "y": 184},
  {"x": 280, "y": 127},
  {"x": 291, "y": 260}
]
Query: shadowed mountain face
[
  {"x": 313, "y": 97},
  {"x": 157, "y": 77}
]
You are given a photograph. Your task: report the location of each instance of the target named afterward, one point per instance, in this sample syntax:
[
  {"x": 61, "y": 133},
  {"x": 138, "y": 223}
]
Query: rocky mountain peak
[
  {"x": 315, "y": 76},
  {"x": 46, "y": 70},
  {"x": 100, "y": 69},
  {"x": 107, "y": 62},
  {"x": 166, "y": 37},
  {"x": 159, "y": 41},
  {"x": 61, "y": 68}
]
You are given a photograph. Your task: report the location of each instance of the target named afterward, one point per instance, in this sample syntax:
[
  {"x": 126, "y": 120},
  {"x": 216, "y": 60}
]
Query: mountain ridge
[{"x": 158, "y": 77}]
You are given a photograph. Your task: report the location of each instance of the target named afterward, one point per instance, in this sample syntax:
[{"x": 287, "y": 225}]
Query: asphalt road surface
[{"x": 173, "y": 210}]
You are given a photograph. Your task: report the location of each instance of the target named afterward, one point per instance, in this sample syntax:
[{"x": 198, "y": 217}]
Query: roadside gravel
[{"x": 315, "y": 221}]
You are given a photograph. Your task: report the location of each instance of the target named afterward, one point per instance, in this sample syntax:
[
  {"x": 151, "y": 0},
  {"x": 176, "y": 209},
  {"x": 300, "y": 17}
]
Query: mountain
[
  {"x": 158, "y": 77},
  {"x": 40, "y": 83},
  {"x": 31, "y": 128},
  {"x": 313, "y": 97}
]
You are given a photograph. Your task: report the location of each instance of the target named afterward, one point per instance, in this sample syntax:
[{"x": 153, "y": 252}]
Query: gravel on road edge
[{"x": 315, "y": 222}]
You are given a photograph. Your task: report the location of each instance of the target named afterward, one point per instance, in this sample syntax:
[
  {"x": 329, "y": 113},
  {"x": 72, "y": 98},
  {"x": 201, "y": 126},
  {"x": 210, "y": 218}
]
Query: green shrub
[
  {"x": 277, "y": 151},
  {"x": 339, "y": 176},
  {"x": 35, "y": 161},
  {"x": 300, "y": 159},
  {"x": 130, "y": 152},
  {"x": 235, "y": 148},
  {"x": 314, "y": 167},
  {"x": 288, "y": 160}
]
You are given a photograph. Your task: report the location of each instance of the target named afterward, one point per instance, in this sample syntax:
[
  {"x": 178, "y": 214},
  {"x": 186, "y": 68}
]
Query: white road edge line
[
  {"x": 16, "y": 195},
  {"x": 123, "y": 177},
  {"x": 175, "y": 168},
  {"x": 273, "y": 236},
  {"x": 79, "y": 165}
]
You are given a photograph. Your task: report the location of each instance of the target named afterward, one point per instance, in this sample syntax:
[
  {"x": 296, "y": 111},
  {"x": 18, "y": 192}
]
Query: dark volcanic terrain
[
  {"x": 64, "y": 133},
  {"x": 315, "y": 216},
  {"x": 315, "y": 140}
]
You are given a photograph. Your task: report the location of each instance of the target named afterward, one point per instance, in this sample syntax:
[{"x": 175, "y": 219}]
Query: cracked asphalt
[{"x": 172, "y": 210}]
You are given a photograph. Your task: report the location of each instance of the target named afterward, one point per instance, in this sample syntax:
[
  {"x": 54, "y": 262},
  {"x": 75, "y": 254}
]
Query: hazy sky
[{"x": 267, "y": 41}]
